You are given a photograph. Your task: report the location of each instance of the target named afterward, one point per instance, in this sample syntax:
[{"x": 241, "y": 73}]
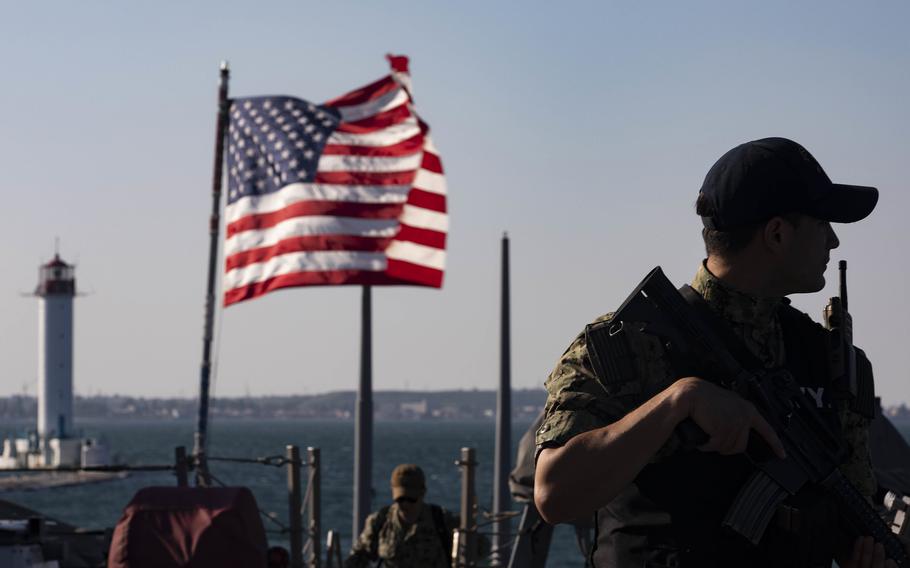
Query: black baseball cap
[{"x": 772, "y": 176}]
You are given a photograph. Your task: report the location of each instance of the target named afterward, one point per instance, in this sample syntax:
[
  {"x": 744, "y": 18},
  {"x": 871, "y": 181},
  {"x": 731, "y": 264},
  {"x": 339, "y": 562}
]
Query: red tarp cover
[{"x": 189, "y": 527}]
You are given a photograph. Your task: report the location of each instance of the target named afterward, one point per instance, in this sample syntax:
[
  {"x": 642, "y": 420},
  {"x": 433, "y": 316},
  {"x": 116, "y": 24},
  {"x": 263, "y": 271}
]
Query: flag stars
[{"x": 273, "y": 142}]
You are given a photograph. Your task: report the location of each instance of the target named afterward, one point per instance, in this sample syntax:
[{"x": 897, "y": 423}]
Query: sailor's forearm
[{"x": 592, "y": 468}]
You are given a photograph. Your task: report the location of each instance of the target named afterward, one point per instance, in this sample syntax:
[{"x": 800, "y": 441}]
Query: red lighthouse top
[{"x": 56, "y": 278}]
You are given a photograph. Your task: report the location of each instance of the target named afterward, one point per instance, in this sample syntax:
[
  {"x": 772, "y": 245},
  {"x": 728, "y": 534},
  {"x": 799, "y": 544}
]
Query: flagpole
[
  {"x": 201, "y": 437},
  {"x": 363, "y": 421},
  {"x": 503, "y": 451}
]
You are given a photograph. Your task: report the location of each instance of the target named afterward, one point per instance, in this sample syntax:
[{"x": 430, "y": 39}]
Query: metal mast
[
  {"x": 363, "y": 421},
  {"x": 503, "y": 456},
  {"x": 201, "y": 438}
]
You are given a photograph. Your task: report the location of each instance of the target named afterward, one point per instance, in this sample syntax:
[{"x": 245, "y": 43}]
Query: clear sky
[{"x": 584, "y": 129}]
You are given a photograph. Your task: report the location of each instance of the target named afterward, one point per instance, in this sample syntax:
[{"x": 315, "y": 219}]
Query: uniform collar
[{"x": 733, "y": 305}]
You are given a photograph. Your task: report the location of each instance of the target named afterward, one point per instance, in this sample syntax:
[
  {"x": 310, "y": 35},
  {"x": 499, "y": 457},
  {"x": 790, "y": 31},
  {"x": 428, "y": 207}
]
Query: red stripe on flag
[
  {"x": 313, "y": 208},
  {"x": 372, "y": 91},
  {"x": 431, "y": 162},
  {"x": 425, "y": 237},
  {"x": 307, "y": 244},
  {"x": 427, "y": 200},
  {"x": 377, "y": 121},
  {"x": 335, "y": 278},
  {"x": 414, "y": 274},
  {"x": 403, "y": 148},
  {"x": 398, "y": 62},
  {"x": 366, "y": 178}
]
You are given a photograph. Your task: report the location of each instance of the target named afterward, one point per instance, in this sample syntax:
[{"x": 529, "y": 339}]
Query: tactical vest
[{"x": 671, "y": 516}]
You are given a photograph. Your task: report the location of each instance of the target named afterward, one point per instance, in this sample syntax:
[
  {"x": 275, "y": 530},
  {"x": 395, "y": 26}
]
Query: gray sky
[{"x": 584, "y": 129}]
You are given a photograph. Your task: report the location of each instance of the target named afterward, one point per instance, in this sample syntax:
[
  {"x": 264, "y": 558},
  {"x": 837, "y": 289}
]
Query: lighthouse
[
  {"x": 57, "y": 444},
  {"x": 56, "y": 290}
]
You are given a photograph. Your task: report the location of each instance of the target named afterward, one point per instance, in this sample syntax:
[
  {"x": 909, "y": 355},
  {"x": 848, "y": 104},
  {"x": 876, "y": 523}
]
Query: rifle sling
[{"x": 721, "y": 328}]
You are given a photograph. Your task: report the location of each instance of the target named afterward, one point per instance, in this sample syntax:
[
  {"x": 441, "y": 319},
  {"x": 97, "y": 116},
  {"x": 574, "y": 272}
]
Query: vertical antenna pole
[
  {"x": 842, "y": 267},
  {"x": 201, "y": 438},
  {"x": 503, "y": 455},
  {"x": 363, "y": 421}
]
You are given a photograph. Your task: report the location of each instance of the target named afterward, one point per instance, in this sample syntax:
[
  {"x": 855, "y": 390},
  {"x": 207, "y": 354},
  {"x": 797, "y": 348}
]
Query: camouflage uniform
[
  {"x": 577, "y": 402},
  {"x": 401, "y": 546}
]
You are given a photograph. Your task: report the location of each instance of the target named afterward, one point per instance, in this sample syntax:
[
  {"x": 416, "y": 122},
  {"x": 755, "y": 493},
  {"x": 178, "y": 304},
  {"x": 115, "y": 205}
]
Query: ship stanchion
[
  {"x": 314, "y": 491},
  {"x": 333, "y": 550},
  {"x": 180, "y": 469},
  {"x": 295, "y": 504},
  {"x": 464, "y": 545}
]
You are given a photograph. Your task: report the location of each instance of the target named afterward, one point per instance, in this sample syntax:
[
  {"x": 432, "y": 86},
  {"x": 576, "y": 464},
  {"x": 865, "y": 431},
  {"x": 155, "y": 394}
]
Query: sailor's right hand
[{"x": 725, "y": 417}]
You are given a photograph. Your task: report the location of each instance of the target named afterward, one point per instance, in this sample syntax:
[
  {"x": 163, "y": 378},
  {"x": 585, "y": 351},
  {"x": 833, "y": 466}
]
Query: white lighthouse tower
[
  {"x": 56, "y": 290},
  {"x": 56, "y": 443}
]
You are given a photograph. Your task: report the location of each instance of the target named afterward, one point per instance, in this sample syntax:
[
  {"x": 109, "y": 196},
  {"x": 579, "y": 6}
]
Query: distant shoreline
[{"x": 392, "y": 406}]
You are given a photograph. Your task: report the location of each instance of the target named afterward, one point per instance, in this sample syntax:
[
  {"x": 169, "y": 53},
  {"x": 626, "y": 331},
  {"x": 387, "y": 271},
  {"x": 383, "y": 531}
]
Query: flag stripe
[
  {"x": 366, "y": 178},
  {"x": 404, "y": 147},
  {"x": 304, "y": 262},
  {"x": 430, "y": 181},
  {"x": 293, "y": 193},
  {"x": 414, "y": 274},
  {"x": 378, "y": 122},
  {"x": 386, "y": 102},
  {"x": 424, "y": 219},
  {"x": 314, "y": 209},
  {"x": 389, "y": 135},
  {"x": 366, "y": 93},
  {"x": 368, "y": 164},
  {"x": 407, "y": 275},
  {"x": 309, "y": 226},
  {"x": 431, "y": 162},
  {"x": 415, "y": 253},
  {"x": 427, "y": 200},
  {"x": 425, "y": 237},
  {"x": 304, "y": 244}
]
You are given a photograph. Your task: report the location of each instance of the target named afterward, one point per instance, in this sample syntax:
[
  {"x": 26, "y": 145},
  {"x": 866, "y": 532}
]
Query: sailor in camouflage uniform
[
  {"x": 409, "y": 533},
  {"x": 767, "y": 207}
]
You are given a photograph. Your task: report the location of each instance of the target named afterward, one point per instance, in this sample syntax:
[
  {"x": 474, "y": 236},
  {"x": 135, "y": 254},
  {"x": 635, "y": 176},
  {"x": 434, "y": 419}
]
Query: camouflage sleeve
[
  {"x": 858, "y": 467},
  {"x": 576, "y": 400},
  {"x": 364, "y": 548}
]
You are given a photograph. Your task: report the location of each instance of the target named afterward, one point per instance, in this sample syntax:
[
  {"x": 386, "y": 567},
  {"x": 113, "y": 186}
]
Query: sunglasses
[{"x": 405, "y": 499}]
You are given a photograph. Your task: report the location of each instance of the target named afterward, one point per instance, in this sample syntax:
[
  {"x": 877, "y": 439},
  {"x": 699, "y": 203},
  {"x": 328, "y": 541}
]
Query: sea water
[{"x": 433, "y": 445}]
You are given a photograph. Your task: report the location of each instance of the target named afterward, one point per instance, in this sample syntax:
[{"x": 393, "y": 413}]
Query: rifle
[{"x": 814, "y": 448}]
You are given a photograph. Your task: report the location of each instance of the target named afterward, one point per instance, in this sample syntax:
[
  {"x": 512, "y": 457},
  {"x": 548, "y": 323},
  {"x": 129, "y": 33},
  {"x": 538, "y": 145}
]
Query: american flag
[{"x": 350, "y": 191}]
